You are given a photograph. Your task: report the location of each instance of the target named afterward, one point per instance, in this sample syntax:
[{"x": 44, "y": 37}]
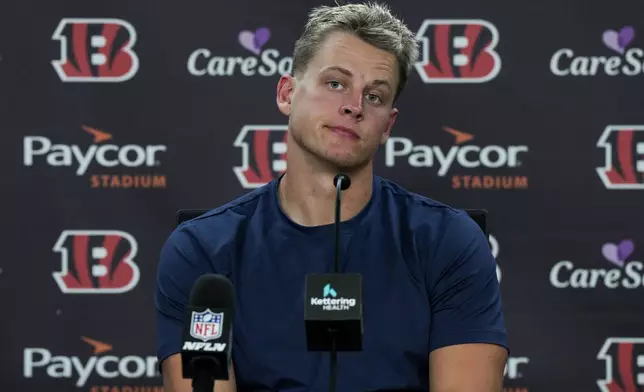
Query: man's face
[{"x": 340, "y": 107}]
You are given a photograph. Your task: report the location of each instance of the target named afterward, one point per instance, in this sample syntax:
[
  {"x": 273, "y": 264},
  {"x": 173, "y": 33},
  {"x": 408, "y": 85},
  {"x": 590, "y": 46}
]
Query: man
[{"x": 432, "y": 308}]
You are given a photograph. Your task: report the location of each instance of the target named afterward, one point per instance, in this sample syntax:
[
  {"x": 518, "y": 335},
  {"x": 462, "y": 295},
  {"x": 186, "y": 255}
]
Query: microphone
[
  {"x": 207, "y": 332},
  {"x": 345, "y": 181},
  {"x": 333, "y": 301}
]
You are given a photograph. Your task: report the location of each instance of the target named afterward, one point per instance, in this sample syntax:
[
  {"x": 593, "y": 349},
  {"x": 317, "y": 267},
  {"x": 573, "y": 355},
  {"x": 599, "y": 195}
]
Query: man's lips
[{"x": 343, "y": 131}]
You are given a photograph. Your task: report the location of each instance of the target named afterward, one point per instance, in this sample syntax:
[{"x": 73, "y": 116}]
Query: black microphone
[
  {"x": 207, "y": 332},
  {"x": 333, "y": 302}
]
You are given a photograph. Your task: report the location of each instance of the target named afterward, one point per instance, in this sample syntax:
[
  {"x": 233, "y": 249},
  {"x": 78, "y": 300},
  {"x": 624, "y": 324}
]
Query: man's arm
[
  {"x": 174, "y": 382},
  {"x": 475, "y": 367},
  {"x": 182, "y": 261},
  {"x": 468, "y": 340}
]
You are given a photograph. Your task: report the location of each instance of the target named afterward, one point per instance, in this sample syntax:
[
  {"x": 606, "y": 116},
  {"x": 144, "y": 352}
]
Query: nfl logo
[{"x": 206, "y": 325}]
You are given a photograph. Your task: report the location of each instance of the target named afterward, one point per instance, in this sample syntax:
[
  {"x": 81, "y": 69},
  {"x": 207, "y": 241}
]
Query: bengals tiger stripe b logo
[
  {"x": 95, "y": 50},
  {"x": 624, "y": 157},
  {"x": 624, "y": 364},
  {"x": 458, "y": 51},
  {"x": 96, "y": 262},
  {"x": 263, "y": 154}
]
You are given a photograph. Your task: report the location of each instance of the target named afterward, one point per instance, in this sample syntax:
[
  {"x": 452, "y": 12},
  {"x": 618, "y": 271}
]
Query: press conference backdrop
[{"x": 116, "y": 114}]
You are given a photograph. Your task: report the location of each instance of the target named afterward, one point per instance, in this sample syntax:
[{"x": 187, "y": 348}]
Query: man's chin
[
  {"x": 347, "y": 163},
  {"x": 338, "y": 159}
]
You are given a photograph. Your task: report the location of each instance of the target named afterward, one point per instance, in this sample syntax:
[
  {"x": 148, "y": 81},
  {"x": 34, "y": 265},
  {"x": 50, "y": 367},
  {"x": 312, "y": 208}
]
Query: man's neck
[{"x": 308, "y": 197}]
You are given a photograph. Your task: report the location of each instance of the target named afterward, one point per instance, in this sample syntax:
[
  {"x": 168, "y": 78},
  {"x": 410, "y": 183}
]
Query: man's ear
[
  {"x": 390, "y": 124},
  {"x": 285, "y": 88}
]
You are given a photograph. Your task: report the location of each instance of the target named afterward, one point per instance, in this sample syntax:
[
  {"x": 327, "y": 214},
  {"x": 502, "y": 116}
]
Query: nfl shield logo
[{"x": 206, "y": 325}]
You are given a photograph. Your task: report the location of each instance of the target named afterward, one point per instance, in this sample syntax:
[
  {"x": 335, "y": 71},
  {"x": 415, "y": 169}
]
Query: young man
[{"x": 432, "y": 308}]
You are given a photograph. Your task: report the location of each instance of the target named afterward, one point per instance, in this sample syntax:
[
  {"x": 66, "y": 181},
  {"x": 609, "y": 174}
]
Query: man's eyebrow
[
  {"x": 337, "y": 68},
  {"x": 380, "y": 82},
  {"x": 346, "y": 72}
]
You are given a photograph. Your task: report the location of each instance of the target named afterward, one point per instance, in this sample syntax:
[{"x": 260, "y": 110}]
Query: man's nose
[{"x": 353, "y": 106}]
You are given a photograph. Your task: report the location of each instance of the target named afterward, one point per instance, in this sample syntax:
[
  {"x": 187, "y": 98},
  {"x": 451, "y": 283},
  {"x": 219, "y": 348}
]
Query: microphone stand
[
  {"x": 338, "y": 207},
  {"x": 334, "y": 354}
]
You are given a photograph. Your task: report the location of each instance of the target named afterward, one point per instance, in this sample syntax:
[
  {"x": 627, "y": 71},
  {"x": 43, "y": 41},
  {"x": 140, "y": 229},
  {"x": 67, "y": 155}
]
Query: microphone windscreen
[
  {"x": 213, "y": 291},
  {"x": 346, "y": 181}
]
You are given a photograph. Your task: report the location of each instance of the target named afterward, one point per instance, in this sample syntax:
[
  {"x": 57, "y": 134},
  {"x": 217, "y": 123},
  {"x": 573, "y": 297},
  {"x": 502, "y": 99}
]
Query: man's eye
[
  {"x": 334, "y": 84},
  {"x": 374, "y": 98}
]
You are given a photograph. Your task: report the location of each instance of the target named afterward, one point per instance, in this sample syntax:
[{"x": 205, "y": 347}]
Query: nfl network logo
[{"x": 206, "y": 325}]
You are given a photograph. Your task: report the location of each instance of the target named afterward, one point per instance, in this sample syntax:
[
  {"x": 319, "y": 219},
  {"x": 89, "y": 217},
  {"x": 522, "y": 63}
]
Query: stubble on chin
[{"x": 339, "y": 161}]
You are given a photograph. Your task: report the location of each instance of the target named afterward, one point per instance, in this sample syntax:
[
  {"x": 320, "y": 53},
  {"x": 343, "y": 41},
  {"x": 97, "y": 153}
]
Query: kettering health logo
[
  {"x": 329, "y": 291},
  {"x": 330, "y": 302}
]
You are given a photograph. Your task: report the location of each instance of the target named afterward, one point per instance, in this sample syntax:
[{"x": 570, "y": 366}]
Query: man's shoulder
[
  {"x": 222, "y": 224},
  {"x": 242, "y": 207},
  {"x": 434, "y": 226},
  {"x": 420, "y": 208},
  {"x": 441, "y": 232}
]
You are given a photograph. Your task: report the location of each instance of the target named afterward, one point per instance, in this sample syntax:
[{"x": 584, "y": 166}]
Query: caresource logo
[
  {"x": 626, "y": 60},
  {"x": 624, "y": 157},
  {"x": 95, "y": 50},
  {"x": 263, "y": 158},
  {"x": 41, "y": 150},
  {"x": 40, "y": 362},
  {"x": 262, "y": 61},
  {"x": 462, "y": 155},
  {"x": 96, "y": 262},
  {"x": 458, "y": 51},
  {"x": 624, "y": 360},
  {"x": 625, "y": 272}
]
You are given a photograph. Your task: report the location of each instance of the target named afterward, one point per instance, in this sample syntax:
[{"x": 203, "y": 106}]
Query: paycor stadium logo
[
  {"x": 98, "y": 369},
  {"x": 468, "y": 164},
  {"x": 104, "y": 164}
]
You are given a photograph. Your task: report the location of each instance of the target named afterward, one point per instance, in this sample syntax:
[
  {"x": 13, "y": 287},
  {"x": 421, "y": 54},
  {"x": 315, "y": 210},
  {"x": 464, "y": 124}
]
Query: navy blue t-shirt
[{"x": 429, "y": 280}]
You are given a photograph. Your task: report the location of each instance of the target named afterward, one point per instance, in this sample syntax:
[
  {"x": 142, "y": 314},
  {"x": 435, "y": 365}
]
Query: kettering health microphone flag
[{"x": 116, "y": 114}]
